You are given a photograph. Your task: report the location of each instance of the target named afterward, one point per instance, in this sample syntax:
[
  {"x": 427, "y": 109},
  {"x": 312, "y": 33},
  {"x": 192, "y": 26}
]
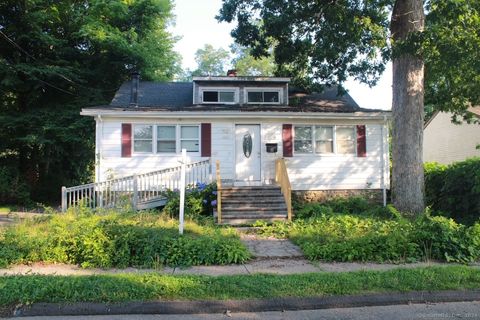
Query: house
[
  {"x": 446, "y": 142},
  {"x": 331, "y": 146}
]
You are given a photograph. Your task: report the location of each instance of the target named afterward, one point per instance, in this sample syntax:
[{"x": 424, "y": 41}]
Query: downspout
[
  {"x": 384, "y": 189},
  {"x": 98, "y": 147}
]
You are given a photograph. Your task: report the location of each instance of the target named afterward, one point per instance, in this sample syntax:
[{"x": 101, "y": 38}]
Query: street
[{"x": 457, "y": 310}]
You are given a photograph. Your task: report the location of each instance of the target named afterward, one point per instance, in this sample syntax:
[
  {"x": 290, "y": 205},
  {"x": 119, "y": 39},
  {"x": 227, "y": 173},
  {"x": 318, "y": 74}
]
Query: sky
[{"x": 196, "y": 26}]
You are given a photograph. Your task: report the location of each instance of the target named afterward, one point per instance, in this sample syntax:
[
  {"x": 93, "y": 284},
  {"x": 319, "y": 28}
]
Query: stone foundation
[{"x": 303, "y": 196}]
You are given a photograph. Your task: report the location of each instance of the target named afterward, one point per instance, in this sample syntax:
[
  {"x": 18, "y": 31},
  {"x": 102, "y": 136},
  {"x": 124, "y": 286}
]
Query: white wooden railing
[{"x": 136, "y": 189}]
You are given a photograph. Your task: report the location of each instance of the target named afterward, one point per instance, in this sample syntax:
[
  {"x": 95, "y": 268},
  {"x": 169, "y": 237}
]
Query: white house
[
  {"x": 328, "y": 142},
  {"x": 446, "y": 142}
]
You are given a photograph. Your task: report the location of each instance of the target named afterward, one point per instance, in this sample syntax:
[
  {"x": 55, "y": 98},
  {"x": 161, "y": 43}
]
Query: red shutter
[
  {"x": 126, "y": 140},
  {"x": 206, "y": 134},
  {"x": 361, "y": 141},
  {"x": 287, "y": 140}
]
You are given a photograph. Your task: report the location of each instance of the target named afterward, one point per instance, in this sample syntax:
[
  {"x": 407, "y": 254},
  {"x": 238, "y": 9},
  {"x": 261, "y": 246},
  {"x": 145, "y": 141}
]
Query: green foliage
[
  {"x": 24, "y": 290},
  {"x": 200, "y": 199},
  {"x": 211, "y": 61},
  {"x": 315, "y": 42},
  {"x": 57, "y": 57},
  {"x": 452, "y": 58},
  {"x": 113, "y": 239},
  {"x": 247, "y": 65},
  {"x": 454, "y": 190},
  {"x": 353, "y": 230}
]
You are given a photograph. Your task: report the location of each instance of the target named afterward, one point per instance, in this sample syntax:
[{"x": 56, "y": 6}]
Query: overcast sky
[{"x": 197, "y": 26}]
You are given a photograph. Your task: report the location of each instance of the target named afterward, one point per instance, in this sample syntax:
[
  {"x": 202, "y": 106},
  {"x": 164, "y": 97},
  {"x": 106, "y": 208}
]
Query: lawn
[
  {"x": 144, "y": 287},
  {"x": 119, "y": 238}
]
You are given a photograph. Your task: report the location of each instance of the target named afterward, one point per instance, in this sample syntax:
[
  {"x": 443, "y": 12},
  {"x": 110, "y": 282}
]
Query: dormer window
[
  {"x": 263, "y": 95},
  {"x": 219, "y": 95}
]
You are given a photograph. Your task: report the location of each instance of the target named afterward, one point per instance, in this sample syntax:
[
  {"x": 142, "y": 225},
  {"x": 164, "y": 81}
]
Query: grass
[
  {"x": 150, "y": 286},
  {"x": 4, "y": 210}
]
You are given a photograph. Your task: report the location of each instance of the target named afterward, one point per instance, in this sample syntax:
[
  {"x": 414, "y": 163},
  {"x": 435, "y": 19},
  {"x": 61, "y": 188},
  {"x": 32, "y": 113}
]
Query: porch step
[{"x": 246, "y": 205}]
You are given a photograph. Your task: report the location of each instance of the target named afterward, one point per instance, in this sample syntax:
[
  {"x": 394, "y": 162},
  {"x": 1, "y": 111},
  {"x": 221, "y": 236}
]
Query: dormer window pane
[
  {"x": 261, "y": 96},
  {"x": 219, "y": 96},
  {"x": 227, "y": 96},
  {"x": 270, "y": 96},
  {"x": 254, "y": 96},
  {"x": 210, "y": 96}
]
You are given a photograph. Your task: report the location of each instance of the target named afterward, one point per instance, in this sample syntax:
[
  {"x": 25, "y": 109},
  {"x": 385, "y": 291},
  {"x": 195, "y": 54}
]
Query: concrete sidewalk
[{"x": 270, "y": 266}]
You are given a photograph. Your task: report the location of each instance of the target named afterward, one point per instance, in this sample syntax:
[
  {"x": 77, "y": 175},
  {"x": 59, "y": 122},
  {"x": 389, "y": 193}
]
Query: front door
[{"x": 247, "y": 154}]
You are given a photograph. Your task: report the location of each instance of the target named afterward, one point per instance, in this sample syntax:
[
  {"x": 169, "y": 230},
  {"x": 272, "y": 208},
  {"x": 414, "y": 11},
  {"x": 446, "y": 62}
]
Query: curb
[{"x": 280, "y": 304}]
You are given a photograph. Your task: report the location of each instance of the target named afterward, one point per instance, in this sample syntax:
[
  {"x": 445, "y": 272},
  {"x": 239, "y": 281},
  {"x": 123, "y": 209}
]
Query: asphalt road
[{"x": 453, "y": 310}]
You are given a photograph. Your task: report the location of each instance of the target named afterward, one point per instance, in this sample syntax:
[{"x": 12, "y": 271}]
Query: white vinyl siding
[{"x": 306, "y": 172}]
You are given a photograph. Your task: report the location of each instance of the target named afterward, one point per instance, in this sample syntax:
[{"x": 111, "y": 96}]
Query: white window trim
[
  {"x": 177, "y": 139},
  {"x": 334, "y": 153},
  {"x": 152, "y": 140},
  {"x": 156, "y": 138},
  {"x": 263, "y": 89},
  {"x": 334, "y": 136},
  {"x": 219, "y": 89}
]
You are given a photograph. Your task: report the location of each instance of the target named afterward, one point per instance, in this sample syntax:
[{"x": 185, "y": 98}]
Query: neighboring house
[
  {"x": 330, "y": 144},
  {"x": 446, "y": 142}
]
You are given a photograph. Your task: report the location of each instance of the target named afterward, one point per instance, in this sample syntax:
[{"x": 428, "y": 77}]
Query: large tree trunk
[{"x": 407, "y": 110}]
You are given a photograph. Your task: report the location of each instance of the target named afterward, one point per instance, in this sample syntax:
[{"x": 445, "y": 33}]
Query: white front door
[{"x": 247, "y": 154}]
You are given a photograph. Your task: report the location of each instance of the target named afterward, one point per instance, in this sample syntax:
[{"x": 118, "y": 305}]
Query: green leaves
[{"x": 315, "y": 42}]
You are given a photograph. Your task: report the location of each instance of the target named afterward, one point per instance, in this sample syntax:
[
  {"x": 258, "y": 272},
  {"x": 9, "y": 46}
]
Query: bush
[
  {"x": 199, "y": 201},
  {"x": 376, "y": 234},
  {"x": 113, "y": 239},
  {"x": 454, "y": 190}
]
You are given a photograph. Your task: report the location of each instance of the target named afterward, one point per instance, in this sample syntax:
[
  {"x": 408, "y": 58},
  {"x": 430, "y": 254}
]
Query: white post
[
  {"x": 64, "y": 199},
  {"x": 182, "y": 190},
  {"x": 135, "y": 192}
]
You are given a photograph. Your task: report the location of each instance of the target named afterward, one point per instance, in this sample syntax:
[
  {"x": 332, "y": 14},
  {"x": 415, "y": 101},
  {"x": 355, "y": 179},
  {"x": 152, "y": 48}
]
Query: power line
[{"x": 55, "y": 72}]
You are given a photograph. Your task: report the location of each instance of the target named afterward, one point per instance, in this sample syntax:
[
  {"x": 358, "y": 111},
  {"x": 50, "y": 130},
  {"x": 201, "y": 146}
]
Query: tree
[
  {"x": 407, "y": 109},
  {"x": 452, "y": 56},
  {"x": 57, "y": 57},
  {"x": 211, "y": 61},
  {"x": 248, "y": 65},
  {"x": 324, "y": 42}
]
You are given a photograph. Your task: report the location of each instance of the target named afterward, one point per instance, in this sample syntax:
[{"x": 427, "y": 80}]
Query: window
[
  {"x": 218, "y": 96},
  {"x": 345, "y": 140},
  {"x": 324, "y": 139},
  {"x": 260, "y": 96},
  {"x": 303, "y": 139},
  {"x": 166, "y": 139},
  {"x": 189, "y": 138},
  {"x": 142, "y": 138}
]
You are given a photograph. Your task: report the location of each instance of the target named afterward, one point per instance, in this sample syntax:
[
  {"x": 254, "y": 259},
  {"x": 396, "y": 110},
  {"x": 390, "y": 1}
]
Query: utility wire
[{"x": 55, "y": 72}]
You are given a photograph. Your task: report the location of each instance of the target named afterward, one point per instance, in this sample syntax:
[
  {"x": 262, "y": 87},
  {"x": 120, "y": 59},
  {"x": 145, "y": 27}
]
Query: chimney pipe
[
  {"x": 134, "y": 89},
  {"x": 232, "y": 73}
]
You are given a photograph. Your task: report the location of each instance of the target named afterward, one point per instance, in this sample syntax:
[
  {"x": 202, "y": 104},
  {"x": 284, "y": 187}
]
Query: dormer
[{"x": 233, "y": 90}]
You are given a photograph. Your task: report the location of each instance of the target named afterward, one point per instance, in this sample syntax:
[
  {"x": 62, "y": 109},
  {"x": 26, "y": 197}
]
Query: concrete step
[
  {"x": 232, "y": 213},
  {"x": 254, "y": 208},
  {"x": 251, "y": 195},
  {"x": 259, "y": 200},
  {"x": 248, "y": 221}
]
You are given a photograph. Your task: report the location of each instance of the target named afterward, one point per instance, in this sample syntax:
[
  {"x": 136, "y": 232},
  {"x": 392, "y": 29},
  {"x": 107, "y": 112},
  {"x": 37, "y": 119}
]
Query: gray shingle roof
[
  {"x": 178, "y": 96},
  {"x": 160, "y": 94}
]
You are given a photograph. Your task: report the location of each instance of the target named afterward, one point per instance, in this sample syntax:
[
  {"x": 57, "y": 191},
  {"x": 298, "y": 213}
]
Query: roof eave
[{"x": 381, "y": 115}]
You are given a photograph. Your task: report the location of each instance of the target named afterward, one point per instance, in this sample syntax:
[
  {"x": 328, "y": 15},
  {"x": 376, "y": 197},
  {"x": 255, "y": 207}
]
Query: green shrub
[
  {"x": 376, "y": 234},
  {"x": 454, "y": 190},
  {"x": 113, "y": 239},
  {"x": 199, "y": 200}
]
